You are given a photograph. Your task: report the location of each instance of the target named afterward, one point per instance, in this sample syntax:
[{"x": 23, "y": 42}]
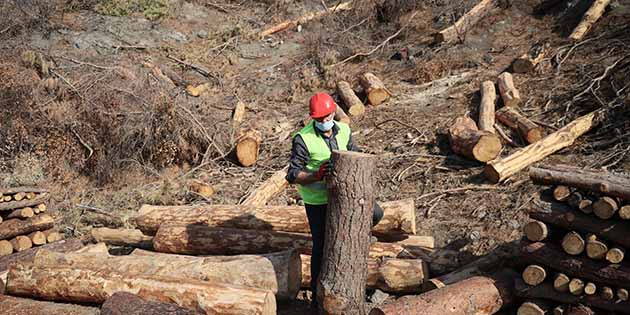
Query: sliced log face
[
  {"x": 622, "y": 294},
  {"x": 590, "y": 288},
  {"x": 561, "y": 282},
  {"x": 605, "y": 208},
  {"x": 534, "y": 274},
  {"x": 466, "y": 22},
  {"x": 398, "y": 216},
  {"x": 14, "y": 227},
  {"x": 601, "y": 182},
  {"x": 590, "y": 17},
  {"x": 528, "y": 61},
  {"x": 624, "y": 212},
  {"x": 525, "y": 127},
  {"x": 247, "y": 146},
  {"x": 615, "y": 255},
  {"x": 561, "y": 193},
  {"x": 510, "y": 95},
  {"x": 487, "y": 105},
  {"x": 27, "y": 255},
  {"x": 20, "y": 306},
  {"x": 5, "y": 248},
  {"x": 534, "y": 308},
  {"x": 122, "y": 237},
  {"x": 271, "y": 187},
  {"x": 23, "y": 213},
  {"x": 353, "y": 104},
  {"x": 586, "y": 206},
  {"x": 467, "y": 140},
  {"x": 595, "y": 249},
  {"x": 37, "y": 238},
  {"x": 607, "y": 293},
  {"x": 124, "y": 303},
  {"x": 52, "y": 236},
  {"x": 76, "y": 285},
  {"x": 573, "y": 243},
  {"x": 374, "y": 88},
  {"x": 21, "y": 243},
  {"x": 536, "y": 231}
]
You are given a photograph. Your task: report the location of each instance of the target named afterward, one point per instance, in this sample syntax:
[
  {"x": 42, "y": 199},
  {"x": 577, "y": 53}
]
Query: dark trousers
[{"x": 317, "y": 222}]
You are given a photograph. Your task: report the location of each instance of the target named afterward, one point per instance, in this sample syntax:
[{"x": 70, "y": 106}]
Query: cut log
[
  {"x": 615, "y": 255},
  {"x": 399, "y": 217},
  {"x": 595, "y": 249},
  {"x": 52, "y": 235},
  {"x": 122, "y": 237},
  {"x": 21, "y": 243},
  {"x": 622, "y": 294},
  {"x": 528, "y": 61},
  {"x": 14, "y": 227},
  {"x": 467, "y": 140},
  {"x": 374, "y": 88},
  {"x": 5, "y": 248},
  {"x": 98, "y": 248},
  {"x": 340, "y": 115},
  {"x": 305, "y": 18},
  {"x": 416, "y": 243},
  {"x": 561, "y": 193},
  {"x": 270, "y": 188},
  {"x": 487, "y": 106},
  {"x": 237, "y": 115},
  {"x": 41, "y": 207},
  {"x": 509, "y": 94},
  {"x": 484, "y": 265},
  {"x": 575, "y": 199},
  {"x": 19, "y": 196},
  {"x": 563, "y": 216},
  {"x": 247, "y": 146},
  {"x": 20, "y": 306},
  {"x": 601, "y": 182},
  {"x": 590, "y": 17},
  {"x": 586, "y": 206},
  {"x": 76, "y": 285},
  {"x": 124, "y": 303},
  {"x": 10, "y": 205},
  {"x": 536, "y": 231},
  {"x": 525, "y": 127},
  {"x": 607, "y": 293},
  {"x": 477, "y": 295},
  {"x": 534, "y": 274},
  {"x": 573, "y": 243},
  {"x": 579, "y": 310},
  {"x": 6, "y": 199},
  {"x": 353, "y": 104},
  {"x": 23, "y": 213},
  {"x": 534, "y": 308},
  {"x": 590, "y": 288},
  {"x": 37, "y": 238},
  {"x": 278, "y": 272},
  {"x": 605, "y": 208},
  {"x": 624, "y": 212},
  {"x": 458, "y": 30},
  {"x": 500, "y": 169},
  {"x": 560, "y": 310},
  {"x": 561, "y": 282}
]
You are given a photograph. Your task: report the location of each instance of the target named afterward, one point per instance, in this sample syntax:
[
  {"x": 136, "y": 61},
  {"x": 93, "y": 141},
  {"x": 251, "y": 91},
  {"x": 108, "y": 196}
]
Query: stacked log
[{"x": 585, "y": 254}]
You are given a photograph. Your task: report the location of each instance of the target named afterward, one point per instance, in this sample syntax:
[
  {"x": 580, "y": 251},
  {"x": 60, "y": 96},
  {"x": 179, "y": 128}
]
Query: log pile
[{"x": 575, "y": 252}]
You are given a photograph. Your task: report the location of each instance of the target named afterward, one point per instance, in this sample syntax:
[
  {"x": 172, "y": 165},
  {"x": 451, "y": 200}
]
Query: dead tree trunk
[
  {"x": 590, "y": 17},
  {"x": 467, "y": 140},
  {"x": 487, "y": 105},
  {"x": 124, "y": 303},
  {"x": 247, "y": 146},
  {"x": 122, "y": 237},
  {"x": 525, "y": 127},
  {"x": 466, "y": 22},
  {"x": 14, "y": 227},
  {"x": 351, "y": 192},
  {"x": 353, "y": 104},
  {"x": 374, "y": 88},
  {"x": 601, "y": 182},
  {"x": 20, "y": 306},
  {"x": 273, "y": 186}
]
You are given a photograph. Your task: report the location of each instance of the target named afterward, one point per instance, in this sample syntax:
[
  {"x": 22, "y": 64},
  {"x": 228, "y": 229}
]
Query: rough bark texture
[
  {"x": 477, "y": 295},
  {"x": 14, "y": 227},
  {"x": 26, "y": 256},
  {"x": 525, "y": 127},
  {"x": 353, "y": 104},
  {"x": 271, "y": 187},
  {"x": 123, "y": 303},
  {"x": 122, "y": 237},
  {"x": 528, "y": 61},
  {"x": 247, "y": 147},
  {"x": 467, "y": 140},
  {"x": 590, "y": 17},
  {"x": 374, "y": 88},
  {"x": 76, "y": 285},
  {"x": 466, "y": 22},
  {"x": 23, "y": 189},
  {"x": 598, "y": 181},
  {"x": 500, "y": 169},
  {"x": 18, "y": 306},
  {"x": 487, "y": 105},
  {"x": 42, "y": 198},
  {"x": 561, "y": 193}
]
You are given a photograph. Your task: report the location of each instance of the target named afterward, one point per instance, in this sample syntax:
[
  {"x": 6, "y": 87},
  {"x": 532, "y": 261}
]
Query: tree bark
[
  {"x": 247, "y": 146},
  {"x": 21, "y": 243},
  {"x": 399, "y": 217},
  {"x": 580, "y": 310},
  {"x": 467, "y": 140},
  {"x": 351, "y": 190},
  {"x": 14, "y": 227},
  {"x": 500, "y": 169},
  {"x": 270, "y": 188},
  {"x": 77, "y": 285},
  {"x": 122, "y": 237},
  {"x": 374, "y": 88},
  {"x": 525, "y": 127},
  {"x": 466, "y": 22},
  {"x": 353, "y": 104},
  {"x": 600, "y": 182},
  {"x": 590, "y": 17},
  {"x": 124, "y": 303},
  {"x": 573, "y": 243},
  {"x": 605, "y": 207},
  {"x": 487, "y": 106},
  {"x": 536, "y": 231},
  {"x": 484, "y": 265},
  {"x": 477, "y": 295},
  {"x": 528, "y": 61},
  {"x": 23, "y": 213},
  {"x": 20, "y": 306}
]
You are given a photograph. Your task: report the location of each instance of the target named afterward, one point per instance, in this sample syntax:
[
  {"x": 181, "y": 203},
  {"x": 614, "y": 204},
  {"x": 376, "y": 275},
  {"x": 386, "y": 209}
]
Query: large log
[
  {"x": 38, "y": 238},
  {"x": 124, "y": 303},
  {"x": 590, "y": 17},
  {"x": 353, "y": 104},
  {"x": 598, "y": 181},
  {"x": 502, "y": 168},
  {"x": 477, "y": 295},
  {"x": 247, "y": 146},
  {"x": 351, "y": 190},
  {"x": 77, "y": 285},
  {"x": 515, "y": 120},
  {"x": 14, "y": 227},
  {"x": 563, "y": 216},
  {"x": 398, "y": 217},
  {"x": 271, "y": 187},
  {"x": 528, "y": 61},
  {"x": 487, "y": 105},
  {"x": 467, "y": 140},
  {"x": 374, "y": 88},
  {"x": 466, "y": 22},
  {"x": 19, "y": 306},
  {"x": 277, "y": 272},
  {"x": 122, "y": 237},
  {"x": 305, "y": 18},
  {"x": 509, "y": 94},
  {"x": 484, "y": 265}
]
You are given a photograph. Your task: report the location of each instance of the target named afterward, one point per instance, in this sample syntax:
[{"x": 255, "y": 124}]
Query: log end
[
  {"x": 533, "y": 135},
  {"x": 377, "y": 96},
  {"x": 269, "y": 306},
  {"x": 535, "y": 231},
  {"x": 487, "y": 148},
  {"x": 247, "y": 152},
  {"x": 356, "y": 110}
]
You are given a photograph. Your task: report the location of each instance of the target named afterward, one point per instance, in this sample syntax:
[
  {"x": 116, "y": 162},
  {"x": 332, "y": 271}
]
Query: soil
[{"x": 101, "y": 129}]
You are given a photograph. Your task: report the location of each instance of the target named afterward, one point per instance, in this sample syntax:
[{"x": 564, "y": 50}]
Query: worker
[{"x": 309, "y": 166}]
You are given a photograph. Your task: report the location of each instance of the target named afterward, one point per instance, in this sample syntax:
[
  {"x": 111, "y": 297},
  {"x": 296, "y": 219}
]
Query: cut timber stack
[{"x": 577, "y": 254}]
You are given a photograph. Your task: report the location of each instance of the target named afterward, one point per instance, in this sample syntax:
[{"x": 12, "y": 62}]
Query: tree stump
[{"x": 351, "y": 192}]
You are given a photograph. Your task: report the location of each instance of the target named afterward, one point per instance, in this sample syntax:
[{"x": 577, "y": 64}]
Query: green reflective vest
[{"x": 315, "y": 193}]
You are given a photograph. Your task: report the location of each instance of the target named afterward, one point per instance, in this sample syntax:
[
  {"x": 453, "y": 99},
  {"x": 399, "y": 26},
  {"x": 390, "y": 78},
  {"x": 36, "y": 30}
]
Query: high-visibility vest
[{"x": 315, "y": 193}]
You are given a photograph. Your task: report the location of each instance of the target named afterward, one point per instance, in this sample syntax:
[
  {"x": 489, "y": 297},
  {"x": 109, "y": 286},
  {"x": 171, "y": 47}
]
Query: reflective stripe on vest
[{"x": 315, "y": 193}]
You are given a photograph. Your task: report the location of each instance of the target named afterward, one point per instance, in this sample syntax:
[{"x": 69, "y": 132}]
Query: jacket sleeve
[
  {"x": 299, "y": 158},
  {"x": 352, "y": 146}
]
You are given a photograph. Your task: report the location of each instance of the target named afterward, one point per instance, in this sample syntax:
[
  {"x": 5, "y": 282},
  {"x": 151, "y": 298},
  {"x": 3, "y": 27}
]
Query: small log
[
  {"x": 536, "y": 231},
  {"x": 487, "y": 105},
  {"x": 595, "y": 249},
  {"x": 124, "y": 303},
  {"x": 467, "y": 140},
  {"x": 95, "y": 287},
  {"x": 561, "y": 282},
  {"x": 52, "y": 235},
  {"x": 11, "y": 205},
  {"x": 23, "y": 213},
  {"x": 607, "y": 293},
  {"x": 622, "y": 294},
  {"x": 41, "y": 207},
  {"x": 561, "y": 192},
  {"x": 538, "y": 307},
  {"x": 21, "y": 306},
  {"x": 528, "y": 61},
  {"x": 509, "y": 94},
  {"x": 575, "y": 199},
  {"x": 601, "y": 182},
  {"x": 590, "y": 17},
  {"x": 534, "y": 274},
  {"x": 515, "y": 120},
  {"x": 590, "y": 288},
  {"x": 5, "y": 248},
  {"x": 466, "y": 22},
  {"x": 573, "y": 243},
  {"x": 500, "y": 169},
  {"x": 6, "y": 199},
  {"x": 374, "y": 88},
  {"x": 305, "y": 18},
  {"x": 238, "y": 115},
  {"x": 586, "y": 206},
  {"x": 23, "y": 189},
  {"x": 624, "y": 212},
  {"x": 481, "y": 266},
  {"x": 98, "y": 248},
  {"x": 37, "y": 238},
  {"x": 14, "y": 227},
  {"x": 605, "y": 208},
  {"x": 615, "y": 255},
  {"x": 21, "y": 243},
  {"x": 270, "y": 188},
  {"x": 353, "y": 104},
  {"x": 122, "y": 237},
  {"x": 247, "y": 146}
]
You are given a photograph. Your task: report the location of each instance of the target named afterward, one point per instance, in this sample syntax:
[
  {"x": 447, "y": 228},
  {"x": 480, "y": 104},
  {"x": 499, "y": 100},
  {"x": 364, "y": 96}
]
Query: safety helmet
[{"x": 321, "y": 105}]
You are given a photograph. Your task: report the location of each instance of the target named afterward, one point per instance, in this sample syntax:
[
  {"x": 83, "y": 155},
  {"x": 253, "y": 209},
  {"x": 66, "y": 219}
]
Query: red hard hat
[{"x": 321, "y": 105}]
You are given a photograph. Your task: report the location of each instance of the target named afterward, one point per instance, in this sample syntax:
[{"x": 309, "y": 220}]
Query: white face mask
[{"x": 325, "y": 126}]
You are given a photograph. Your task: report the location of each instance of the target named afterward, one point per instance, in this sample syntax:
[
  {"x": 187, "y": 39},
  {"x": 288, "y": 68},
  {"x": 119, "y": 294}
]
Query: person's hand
[{"x": 323, "y": 171}]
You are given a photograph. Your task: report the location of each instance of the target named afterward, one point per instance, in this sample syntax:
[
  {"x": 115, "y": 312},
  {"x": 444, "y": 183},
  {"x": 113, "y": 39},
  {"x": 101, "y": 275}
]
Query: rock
[
  {"x": 202, "y": 34},
  {"x": 378, "y": 297}
]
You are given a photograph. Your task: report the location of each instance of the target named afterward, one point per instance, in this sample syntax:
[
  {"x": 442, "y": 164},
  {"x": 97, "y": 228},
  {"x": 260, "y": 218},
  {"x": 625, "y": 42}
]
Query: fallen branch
[
  {"x": 305, "y": 18},
  {"x": 590, "y": 17},
  {"x": 466, "y": 22}
]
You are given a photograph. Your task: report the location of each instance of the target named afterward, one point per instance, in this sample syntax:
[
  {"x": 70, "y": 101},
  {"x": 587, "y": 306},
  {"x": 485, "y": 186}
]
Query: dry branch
[
  {"x": 466, "y": 22},
  {"x": 590, "y": 17},
  {"x": 303, "y": 19},
  {"x": 271, "y": 187}
]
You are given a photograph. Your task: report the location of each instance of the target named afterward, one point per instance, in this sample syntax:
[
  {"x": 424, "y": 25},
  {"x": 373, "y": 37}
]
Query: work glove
[{"x": 323, "y": 171}]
